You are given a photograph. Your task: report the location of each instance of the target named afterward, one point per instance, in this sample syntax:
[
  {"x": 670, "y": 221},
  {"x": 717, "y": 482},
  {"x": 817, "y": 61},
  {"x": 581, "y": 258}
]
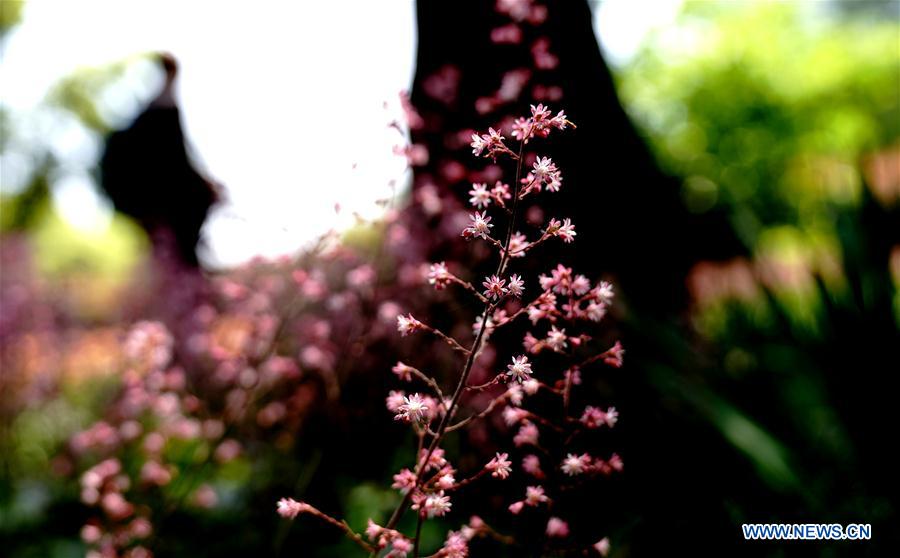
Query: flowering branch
[{"x": 565, "y": 298}]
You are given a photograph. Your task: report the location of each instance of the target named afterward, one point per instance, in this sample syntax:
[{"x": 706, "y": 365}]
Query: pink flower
[
  {"x": 602, "y": 546},
  {"x": 527, "y": 435},
  {"x": 414, "y": 408},
  {"x": 436, "y": 461},
  {"x": 612, "y": 417},
  {"x": 290, "y": 508},
  {"x": 394, "y": 400},
  {"x": 521, "y": 129},
  {"x": 455, "y": 546},
  {"x": 446, "y": 481},
  {"x": 480, "y": 227},
  {"x": 593, "y": 417},
  {"x": 531, "y": 464},
  {"x": 512, "y": 415},
  {"x": 403, "y": 371},
  {"x": 478, "y": 144},
  {"x": 516, "y": 286},
  {"x": 407, "y": 324},
  {"x": 531, "y": 386},
  {"x": 154, "y": 473},
  {"x": 438, "y": 276},
  {"x": 615, "y": 462},
  {"x": 566, "y": 231},
  {"x": 534, "y": 495},
  {"x": 373, "y": 530},
  {"x": 556, "y": 339},
  {"x": 494, "y": 287},
  {"x": 500, "y": 467},
  {"x": 492, "y": 142},
  {"x": 404, "y": 481},
  {"x": 500, "y": 192},
  {"x": 520, "y": 369},
  {"x": 596, "y": 311},
  {"x": 556, "y": 527},
  {"x": 575, "y": 465},
  {"x": 516, "y": 507},
  {"x": 580, "y": 285},
  {"x": 539, "y": 113},
  {"x": 544, "y": 167},
  {"x": 517, "y": 244},
  {"x": 615, "y": 355},
  {"x": 515, "y": 394},
  {"x": 604, "y": 292},
  {"x": 480, "y": 197},
  {"x": 559, "y": 121},
  {"x": 435, "y": 505},
  {"x": 400, "y": 547}
]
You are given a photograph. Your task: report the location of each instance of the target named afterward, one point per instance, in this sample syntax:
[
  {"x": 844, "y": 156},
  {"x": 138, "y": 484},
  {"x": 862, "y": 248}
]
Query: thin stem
[
  {"x": 342, "y": 525},
  {"x": 480, "y": 414},
  {"x": 468, "y": 286},
  {"x": 447, "y": 339},
  {"x": 428, "y": 380},
  {"x": 418, "y": 534}
]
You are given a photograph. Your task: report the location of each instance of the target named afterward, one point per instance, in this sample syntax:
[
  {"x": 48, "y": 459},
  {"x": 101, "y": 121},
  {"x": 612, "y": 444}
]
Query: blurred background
[{"x": 736, "y": 172}]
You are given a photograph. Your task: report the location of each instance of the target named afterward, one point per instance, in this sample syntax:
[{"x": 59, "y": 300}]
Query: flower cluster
[{"x": 564, "y": 304}]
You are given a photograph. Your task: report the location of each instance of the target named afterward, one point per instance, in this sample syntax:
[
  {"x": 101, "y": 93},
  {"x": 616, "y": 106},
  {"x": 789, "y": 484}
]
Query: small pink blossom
[
  {"x": 527, "y": 435},
  {"x": 290, "y": 508},
  {"x": 455, "y": 546},
  {"x": 408, "y": 324},
  {"x": 602, "y": 546},
  {"x": 516, "y": 507},
  {"x": 558, "y": 528},
  {"x": 480, "y": 197},
  {"x": 566, "y": 231},
  {"x": 500, "y": 466},
  {"x": 615, "y": 462},
  {"x": 438, "y": 276},
  {"x": 446, "y": 481},
  {"x": 556, "y": 339},
  {"x": 373, "y": 530},
  {"x": 615, "y": 355},
  {"x": 517, "y": 244},
  {"x": 531, "y": 464},
  {"x": 516, "y": 285},
  {"x": 514, "y": 415},
  {"x": 400, "y": 548},
  {"x": 575, "y": 465},
  {"x": 404, "y": 481},
  {"x": 414, "y": 408},
  {"x": 612, "y": 417},
  {"x": 604, "y": 292},
  {"x": 544, "y": 168},
  {"x": 394, "y": 400},
  {"x": 596, "y": 311},
  {"x": 435, "y": 505},
  {"x": 580, "y": 285},
  {"x": 494, "y": 287},
  {"x": 593, "y": 417},
  {"x": 534, "y": 495},
  {"x": 520, "y": 369},
  {"x": 514, "y": 394},
  {"x": 480, "y": 227},
  {"x": 492, "y": 143},
  {"x": 436, "y": 460},
  {"x": 403, "y": 371}
]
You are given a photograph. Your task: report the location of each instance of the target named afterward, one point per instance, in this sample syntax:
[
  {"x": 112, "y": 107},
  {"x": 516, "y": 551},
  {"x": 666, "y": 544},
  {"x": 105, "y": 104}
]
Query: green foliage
[{"x": 766, "y": 109}]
